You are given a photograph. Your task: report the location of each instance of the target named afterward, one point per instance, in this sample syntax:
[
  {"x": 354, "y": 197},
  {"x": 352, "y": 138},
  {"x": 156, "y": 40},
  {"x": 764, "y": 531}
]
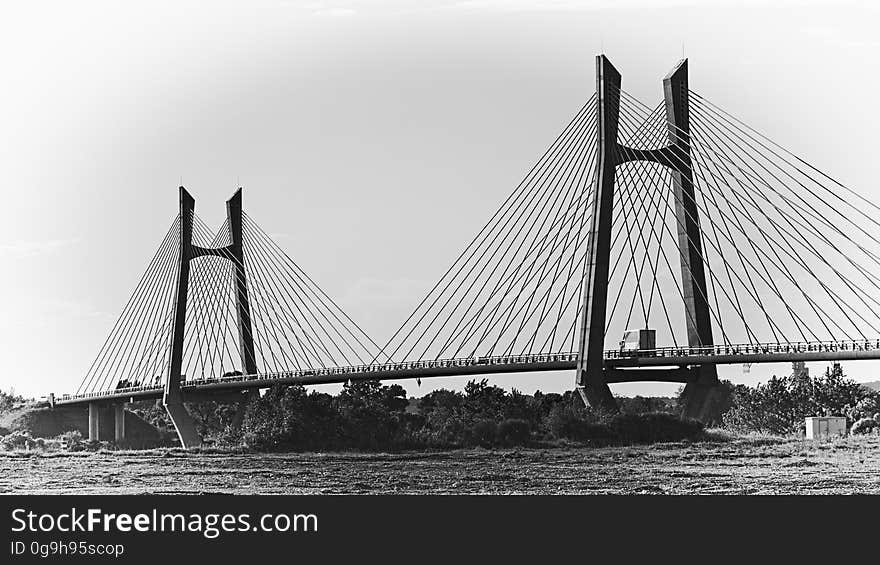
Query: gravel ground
[{"x": 748, "y": 465}]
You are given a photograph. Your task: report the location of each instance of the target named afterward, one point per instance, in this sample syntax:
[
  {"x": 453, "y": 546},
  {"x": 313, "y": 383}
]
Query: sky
[{"x": 372, "y": 138}]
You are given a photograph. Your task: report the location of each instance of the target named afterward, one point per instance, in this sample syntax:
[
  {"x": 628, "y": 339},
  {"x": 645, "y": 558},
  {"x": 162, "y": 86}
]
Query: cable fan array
[
  {"x": 516, "y": 288},
  {"x": 132, "y": 353},
  {"x": 786, "y": 257},
  {"x": 787, "y": 251},
  {"x": 294, "y": 324},
  {"x": 789, "y": 255}
]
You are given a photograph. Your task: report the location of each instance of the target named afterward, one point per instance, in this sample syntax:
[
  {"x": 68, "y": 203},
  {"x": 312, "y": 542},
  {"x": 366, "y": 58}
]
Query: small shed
[{"x": 822, "y": 427}]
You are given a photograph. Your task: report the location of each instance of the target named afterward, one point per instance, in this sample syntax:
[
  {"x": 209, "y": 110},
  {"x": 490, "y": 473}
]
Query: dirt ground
[{"x": 750, "y": 465}]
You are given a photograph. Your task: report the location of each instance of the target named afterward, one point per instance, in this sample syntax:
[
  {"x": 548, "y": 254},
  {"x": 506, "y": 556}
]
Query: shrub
[
  {"x": 780, "y": 405},
  {"x": 72, "y": 440},
  {"x": 291, "y": 418},
  {"x": 17, "y": 440},
  {"x": 866, "y": 407},
  {"x": 653, "y": 427},
  {"x": 367, "y": 415},
  {"x": 568, "y": 420},
  {"x": 482, "y": 400},
  {"x": 513, "y": 431},
  {"x": 8, "y": 400},
  {"x": 484, "y": 432},
  {"x": 210, "y": 416},
  {"x": 642, "y": 404},
  {"x": 864, "y": 426}
]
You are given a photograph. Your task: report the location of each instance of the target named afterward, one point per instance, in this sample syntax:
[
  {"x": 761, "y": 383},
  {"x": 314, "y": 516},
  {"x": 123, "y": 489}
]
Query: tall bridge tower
[{"x": 676, "y": 155}]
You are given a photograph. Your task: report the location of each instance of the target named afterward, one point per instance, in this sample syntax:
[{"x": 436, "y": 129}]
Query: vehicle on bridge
[{"x": 638, "y": 343}]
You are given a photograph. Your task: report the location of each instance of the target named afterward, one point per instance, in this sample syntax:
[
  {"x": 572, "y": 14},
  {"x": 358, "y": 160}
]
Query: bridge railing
[
  {"x": 111, "y": 392},
  {"x": 389, "y": 367},
  {"x": 750, "y": 349},
  {"x": 612, "y": 354}
]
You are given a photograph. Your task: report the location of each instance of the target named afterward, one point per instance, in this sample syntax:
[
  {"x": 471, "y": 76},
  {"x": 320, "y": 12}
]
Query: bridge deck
[{"x": 614, "y": 359}]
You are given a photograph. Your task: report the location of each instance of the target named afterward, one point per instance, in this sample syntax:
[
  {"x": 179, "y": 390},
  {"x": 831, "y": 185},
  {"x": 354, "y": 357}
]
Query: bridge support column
[
  {"x": 94, "y": 421},
  {"x": 119, "y": 422},
  {"x": 676, "y": 155},
  {"x": 699, "y": 396},
  {"x": 590, "y": 379},
  {"x": 242, "y": 303},
  {"x": 172, "y": 398},
  {"x": 700, "y": 393},
  {"x": 183, "y": 424}
]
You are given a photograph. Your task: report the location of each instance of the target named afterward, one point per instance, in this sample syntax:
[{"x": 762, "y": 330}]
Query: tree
[
  {"x": 8, "y": 400},
  {"x": 780, "y": 405}
]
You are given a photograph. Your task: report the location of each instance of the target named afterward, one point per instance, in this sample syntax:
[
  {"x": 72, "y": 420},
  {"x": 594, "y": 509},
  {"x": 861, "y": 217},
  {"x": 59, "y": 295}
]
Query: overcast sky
[{"x": 372, "y": 138}]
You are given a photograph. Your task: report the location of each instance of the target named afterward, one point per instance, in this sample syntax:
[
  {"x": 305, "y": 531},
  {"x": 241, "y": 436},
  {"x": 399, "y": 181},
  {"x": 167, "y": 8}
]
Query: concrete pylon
[
  {"x": 700, "y": 392},
  {"x": 591, "y": 379},
  {"x": 173, "y": 398}
]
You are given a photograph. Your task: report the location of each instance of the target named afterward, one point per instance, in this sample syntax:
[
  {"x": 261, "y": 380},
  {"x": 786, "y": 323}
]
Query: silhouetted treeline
[{"x": 370, "y": 416}]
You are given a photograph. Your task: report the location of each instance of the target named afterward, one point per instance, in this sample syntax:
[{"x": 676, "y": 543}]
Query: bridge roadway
[{"x": 643, "y": 365}]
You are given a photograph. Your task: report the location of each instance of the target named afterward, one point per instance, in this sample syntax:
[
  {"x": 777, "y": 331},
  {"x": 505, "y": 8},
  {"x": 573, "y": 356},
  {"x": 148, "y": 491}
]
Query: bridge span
[{"x": 666, "y": 364}]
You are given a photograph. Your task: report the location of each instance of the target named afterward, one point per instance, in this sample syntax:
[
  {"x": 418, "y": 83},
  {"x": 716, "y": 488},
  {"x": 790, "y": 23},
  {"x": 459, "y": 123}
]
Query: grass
[
  {"x": 719, "y": 462},
  {"x": 711, "y": 436}
]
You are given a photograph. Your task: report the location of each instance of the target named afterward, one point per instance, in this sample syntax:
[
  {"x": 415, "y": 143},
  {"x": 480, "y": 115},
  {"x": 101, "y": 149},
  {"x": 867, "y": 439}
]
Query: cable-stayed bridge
[{"x": 677, "y": 226}]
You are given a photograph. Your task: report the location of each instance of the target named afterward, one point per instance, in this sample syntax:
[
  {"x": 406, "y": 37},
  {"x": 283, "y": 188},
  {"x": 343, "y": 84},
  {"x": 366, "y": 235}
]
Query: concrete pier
[
  {"x": 94, "y": 421},
  {"x": 119, "y": 420}
]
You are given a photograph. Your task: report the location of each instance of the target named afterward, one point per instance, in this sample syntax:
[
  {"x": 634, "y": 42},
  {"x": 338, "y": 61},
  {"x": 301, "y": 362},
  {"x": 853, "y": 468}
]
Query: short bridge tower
[{"x": 173, "y": 397}]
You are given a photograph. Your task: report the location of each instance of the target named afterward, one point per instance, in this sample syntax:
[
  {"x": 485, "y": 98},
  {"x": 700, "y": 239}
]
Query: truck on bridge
[{"x": 638, "y": 343}]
